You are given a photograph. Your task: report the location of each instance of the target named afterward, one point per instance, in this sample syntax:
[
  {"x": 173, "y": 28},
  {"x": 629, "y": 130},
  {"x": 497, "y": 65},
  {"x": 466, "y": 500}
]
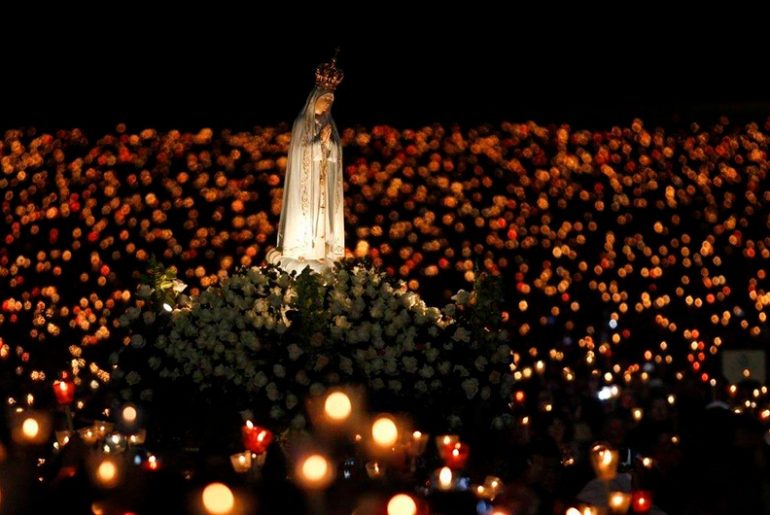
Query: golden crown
[{"x": 327, "y": 75}]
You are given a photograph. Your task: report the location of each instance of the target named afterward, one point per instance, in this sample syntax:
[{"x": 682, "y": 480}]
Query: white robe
[{"x": 311, "y": 231}]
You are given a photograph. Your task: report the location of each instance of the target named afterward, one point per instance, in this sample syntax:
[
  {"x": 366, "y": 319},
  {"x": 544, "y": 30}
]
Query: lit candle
[
  {"x": 88, "y": 435},
  {"x": 374, "y": 470},
  {"x": 241, "y": 462},
  {"x": 402, "y": 504},
  {"x": 107, "y": 473},
  {"x": 64, "y": 390},
  {"x": 258, "y": 459},
  {"x": 255, "y": 438},
  {"x": 445, "y": 478},
  {"x": 481, "y": 492},
  {"x": 152, "y": 464},
  {"x": 417, "y": 443},
  {"x": 641, "y": 501},
  {"x": 338, "y": 407},
  {"x": 102, "y": 428},
  {"x": 493, "y": 485},
  {"x": 138, "y": 438},
  {"x": 116, "y": 442},
  {"x": 384, "y": 431},
  {"x": 456, "y": 456},
  {"x": 315, "y": 472},
  {"x": 619, "y": 502},
  {"x": 217, "y": 498},
  {"x": 605, "y": 461},
  {"x": 63, "y": 437},
  {"x": 30, "y": 427},
  {"x": 129, "y": 414},
  {"x": 444, "y": 441}
]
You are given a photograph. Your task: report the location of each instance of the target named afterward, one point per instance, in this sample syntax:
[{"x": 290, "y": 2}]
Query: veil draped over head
[{"x": 311, "y": 226}]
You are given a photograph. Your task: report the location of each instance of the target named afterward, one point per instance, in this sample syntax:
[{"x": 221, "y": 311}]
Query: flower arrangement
[{"x": 267, "y": 340}]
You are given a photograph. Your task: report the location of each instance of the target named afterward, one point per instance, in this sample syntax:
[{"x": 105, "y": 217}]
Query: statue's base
[
  {"x": 298, "y": 265},
  {"x": 274, "y": 257}
]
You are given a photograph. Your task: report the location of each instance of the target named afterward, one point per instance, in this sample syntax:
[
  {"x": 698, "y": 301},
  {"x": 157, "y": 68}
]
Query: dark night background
[{"x": 223, "y": 67}]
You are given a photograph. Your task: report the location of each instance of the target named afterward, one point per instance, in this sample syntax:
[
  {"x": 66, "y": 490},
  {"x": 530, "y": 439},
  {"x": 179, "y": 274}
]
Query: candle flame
[
  {"x": 129, "y": 414},
  {"x": 30, "y": 428},
  {"x": 338, "y": 406},
  {"x": 218, "y": 499},
  {"x": 315, "y": 467},
  {"x": 445, "y": 478},
  {"x": 107, "y": 473},
  {"x": 402, "y": 504},
  {"x": 384, "y": 431}
]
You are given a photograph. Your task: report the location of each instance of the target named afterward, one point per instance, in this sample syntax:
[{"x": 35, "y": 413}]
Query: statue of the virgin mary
[{"x": 311, "y": 231}]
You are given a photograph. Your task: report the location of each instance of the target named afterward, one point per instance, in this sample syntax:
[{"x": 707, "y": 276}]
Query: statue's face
[{"x": 324, "y": 103}]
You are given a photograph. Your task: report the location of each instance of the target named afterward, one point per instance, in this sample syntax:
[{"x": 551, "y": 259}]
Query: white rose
[
  {"x": 321, "y": 362},
  {"x": 341, "y": 322},
  {"x": 461, "y": 335},
  {"x": 316, "y": 389},
  {"x": 486, "y": 392},
  {"x": 284, "y": 280},
  {"x": 470, "y": 387},
  {"x": 260, "y": 379},
  {"x": 394, "y": 385},
  {"x": 298, "y": 422},
  {"x": 410, "y": 364},
  {"x": 461, "y": 297},
  {"x": 295, "y": 351},
  {"x": 273, "y": 394},
  {"x": 144, "y": 292},
  {"x": 461, "y": 371}
]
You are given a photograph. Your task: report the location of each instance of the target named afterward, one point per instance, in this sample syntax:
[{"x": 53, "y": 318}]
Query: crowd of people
[{"x": 645, "y": 249}]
